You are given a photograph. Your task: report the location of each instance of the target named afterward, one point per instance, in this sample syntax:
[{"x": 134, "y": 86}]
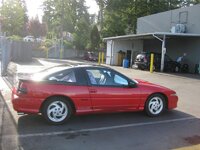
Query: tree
[
  {"x": 69, "y": 16},
  {"x": 36, "y": 28},
  {"x": 81, "y": 35},
  {"x": 14, "y": 17},
  {"x": 60, "y": 15},
  {"x": 95, "y": 38},
  {"x": 120, "y": 17},
  {"x": 101, "y": 4}
]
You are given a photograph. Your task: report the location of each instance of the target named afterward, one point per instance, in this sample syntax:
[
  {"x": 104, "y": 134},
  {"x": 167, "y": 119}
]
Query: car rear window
[
  {"x": 46, "y": 72},
  {"x": 64, "y": 76}
]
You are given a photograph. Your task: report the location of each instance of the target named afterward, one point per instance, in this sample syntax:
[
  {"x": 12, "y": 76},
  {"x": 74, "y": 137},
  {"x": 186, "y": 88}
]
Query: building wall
[
  {"x": 120, "y": 45},
  {"x": 162, "y": 22},
  {"x": 113, "y": 47},
  {"x": 176, "y": 47}
]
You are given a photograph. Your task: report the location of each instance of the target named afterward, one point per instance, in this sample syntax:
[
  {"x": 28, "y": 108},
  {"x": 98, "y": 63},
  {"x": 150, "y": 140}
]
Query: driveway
[{"x": 173, "y": 130}]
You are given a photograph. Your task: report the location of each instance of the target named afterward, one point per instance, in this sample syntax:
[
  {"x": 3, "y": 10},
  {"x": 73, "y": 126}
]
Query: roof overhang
[{"x": 151, "y": 36}]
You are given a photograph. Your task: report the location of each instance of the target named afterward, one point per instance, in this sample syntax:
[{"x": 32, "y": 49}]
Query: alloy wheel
[{"x": 57, "y": 111}]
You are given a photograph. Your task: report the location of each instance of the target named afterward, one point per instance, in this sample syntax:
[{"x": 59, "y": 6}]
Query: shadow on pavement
[
  {"x": 36, "y": 123},
  {"x": 156, "y": 136},
  {"x": 181, "y": 75}
]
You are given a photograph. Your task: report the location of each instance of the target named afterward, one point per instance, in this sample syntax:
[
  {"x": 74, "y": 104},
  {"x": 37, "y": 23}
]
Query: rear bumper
[{"x": 24, "y": 104}]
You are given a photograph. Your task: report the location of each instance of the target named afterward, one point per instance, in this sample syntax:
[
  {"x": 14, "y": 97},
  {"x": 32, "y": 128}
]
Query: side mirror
[{"x": 132, "y": 84}]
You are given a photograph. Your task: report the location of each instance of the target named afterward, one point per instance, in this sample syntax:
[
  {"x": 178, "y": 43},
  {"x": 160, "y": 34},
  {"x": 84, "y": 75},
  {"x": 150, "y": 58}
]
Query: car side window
[
  {"x": 100, "y": 76},
  {"x": 64, "y": 76},
  {"x": 120, "y": 80},
  {"x": 105, "y": 77}
]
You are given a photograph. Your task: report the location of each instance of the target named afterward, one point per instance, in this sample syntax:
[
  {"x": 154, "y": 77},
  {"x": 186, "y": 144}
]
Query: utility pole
[
  {"x": 61, "y": 30},
  {"x": 1, "y": 33}
]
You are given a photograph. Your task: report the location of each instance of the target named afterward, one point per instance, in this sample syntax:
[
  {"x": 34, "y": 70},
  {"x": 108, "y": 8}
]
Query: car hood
[{"x": 152, "y": 85}]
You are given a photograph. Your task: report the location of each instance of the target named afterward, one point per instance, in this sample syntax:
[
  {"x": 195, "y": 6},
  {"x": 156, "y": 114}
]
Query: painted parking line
[
  {"x": 193, "y": 147},
  {"x": 101, "y": 128}
]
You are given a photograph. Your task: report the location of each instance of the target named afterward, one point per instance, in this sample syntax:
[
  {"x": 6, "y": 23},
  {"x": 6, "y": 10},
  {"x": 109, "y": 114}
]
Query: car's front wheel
[
  {"x": 155, "y": 105},
  {"x": 57, "y": 110}
]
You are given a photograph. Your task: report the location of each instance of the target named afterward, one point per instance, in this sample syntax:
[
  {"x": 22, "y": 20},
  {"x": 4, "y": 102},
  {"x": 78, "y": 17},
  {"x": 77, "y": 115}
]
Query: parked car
[
  {"x": 29, "y": 39},
  {"x": 60, "y": 92},
  {"x": 39, "y": 40},
  {"x": 90, "y": 56},
  {"x": 142, "y": 61}
]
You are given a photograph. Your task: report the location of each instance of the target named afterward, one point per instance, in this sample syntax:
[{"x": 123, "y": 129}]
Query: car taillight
[{"x": 22, "y": 88}]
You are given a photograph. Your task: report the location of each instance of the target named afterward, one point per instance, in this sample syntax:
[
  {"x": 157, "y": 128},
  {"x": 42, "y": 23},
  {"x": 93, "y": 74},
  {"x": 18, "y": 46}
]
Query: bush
[
  {"x": 67, "y": 44},
  {"x": 15, "y": 38},
  {"x": 48, "y": 43}
]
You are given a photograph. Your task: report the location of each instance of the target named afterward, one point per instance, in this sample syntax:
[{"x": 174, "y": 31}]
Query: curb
[{"x": 3, "y": 94}]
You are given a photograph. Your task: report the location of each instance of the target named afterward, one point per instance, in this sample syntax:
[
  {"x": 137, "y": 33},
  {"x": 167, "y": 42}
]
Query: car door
[{"x": 109, "y": 91}]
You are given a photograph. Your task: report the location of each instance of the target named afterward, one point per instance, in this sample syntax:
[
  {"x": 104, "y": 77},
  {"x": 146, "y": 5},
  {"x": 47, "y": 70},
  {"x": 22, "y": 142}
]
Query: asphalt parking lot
[{"x": 177, "y": 129}]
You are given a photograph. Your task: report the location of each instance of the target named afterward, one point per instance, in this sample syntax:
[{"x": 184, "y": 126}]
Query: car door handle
[{"x": 93, "y": 91}]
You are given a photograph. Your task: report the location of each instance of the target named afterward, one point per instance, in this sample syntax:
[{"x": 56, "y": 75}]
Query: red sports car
[{"x": 60, "y": 92}]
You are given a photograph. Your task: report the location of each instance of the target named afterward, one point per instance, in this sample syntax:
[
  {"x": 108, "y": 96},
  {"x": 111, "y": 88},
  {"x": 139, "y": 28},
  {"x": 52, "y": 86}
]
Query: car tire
[
  {"x": 155, "y": 105},
  {"x": 57, "y": 110}
]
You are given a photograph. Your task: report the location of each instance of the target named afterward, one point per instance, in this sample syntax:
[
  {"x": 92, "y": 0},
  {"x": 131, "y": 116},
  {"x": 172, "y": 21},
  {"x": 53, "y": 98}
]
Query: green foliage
[
  {"x": 13, "y": 14},
  {"x": 15, "y": 38},
  {"x": 36, "y": 28},
  {"x": 48, "y": 43},
  {"x": 95, "y": 38},
  {"x": 68, "y": 16},
  {"x": 50, "y": 35},
  {"x": 67, "y": 44},
  {"x": 120, "y": 16}
]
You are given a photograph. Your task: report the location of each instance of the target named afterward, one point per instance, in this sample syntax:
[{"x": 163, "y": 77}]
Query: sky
[{"x": 34, "y": 7}]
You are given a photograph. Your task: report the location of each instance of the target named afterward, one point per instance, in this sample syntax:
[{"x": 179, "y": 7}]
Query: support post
[
  {"x": 61, "y": 49},
  {"x": 111, "y": 56},
  {"x": 163, "y": 54},
  {"x": 151, "y": 63},
  {"x": 99, "y": 58},
  {"x": 102, "y": 57}
]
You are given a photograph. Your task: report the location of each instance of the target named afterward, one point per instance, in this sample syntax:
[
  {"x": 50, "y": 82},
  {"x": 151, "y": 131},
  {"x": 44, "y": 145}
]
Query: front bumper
[{"x": 172, "y": 101}]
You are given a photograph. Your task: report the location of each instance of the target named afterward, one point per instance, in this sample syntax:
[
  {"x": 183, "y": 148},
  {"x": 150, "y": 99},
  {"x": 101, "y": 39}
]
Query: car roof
[{"x": 82, "y": 66}]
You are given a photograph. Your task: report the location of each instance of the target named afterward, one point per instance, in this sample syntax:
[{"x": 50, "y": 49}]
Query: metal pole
[
  {"x": 151, "y": 63},
  {"x": 62, "y": 19},
  {"x": 99, "y": 58},
  {"x": 102, "y": 57},
  {"x": 112, "y": 48},
  {"x": 163, "y": 54}
]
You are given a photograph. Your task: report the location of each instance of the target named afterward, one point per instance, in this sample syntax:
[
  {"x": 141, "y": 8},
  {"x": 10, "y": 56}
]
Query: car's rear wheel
[
  {"x": 57, "y": 110},
  {"x": 155, "y": 105}
]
